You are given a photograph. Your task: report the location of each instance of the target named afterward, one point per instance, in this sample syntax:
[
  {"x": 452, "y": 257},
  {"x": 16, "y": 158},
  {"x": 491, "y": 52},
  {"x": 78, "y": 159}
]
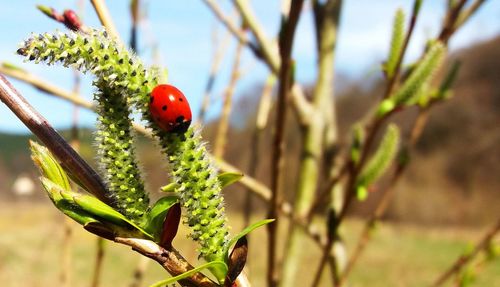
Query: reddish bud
[{"x": 71, "y": 20}]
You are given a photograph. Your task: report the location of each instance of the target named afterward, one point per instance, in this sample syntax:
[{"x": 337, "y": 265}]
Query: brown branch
[
  {"x": 54, "y": 142},
  {"x": 277, "y": 161},
  {"x": 464, "y": 259},
  {"x": 170, "y": 259}
]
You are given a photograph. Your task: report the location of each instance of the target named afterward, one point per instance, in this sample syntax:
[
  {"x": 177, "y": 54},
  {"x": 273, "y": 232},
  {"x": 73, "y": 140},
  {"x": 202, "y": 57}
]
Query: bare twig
[
  {"x": 464, "y": 259},
  {"x": 286, "y": 79},
  {"x": 105, "y": 18},
  {"x": 45, "y": 86},
  {"x": 170, "y": 259},
  {"x": 269, "y": 53},
  {"x": 222, "y": 129}
]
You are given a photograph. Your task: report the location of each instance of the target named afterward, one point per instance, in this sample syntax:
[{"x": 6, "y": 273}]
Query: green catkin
[
  {"x": 382, "y": 158},
  {"x": 200, "y": 191},
  {"x": 94, "y": 53},
  {"x": 422, "y": 74},
  {"x": 397, "y": 41},
  {"x": 123, "y": 75},
  {"x": 117, "y": 155}
]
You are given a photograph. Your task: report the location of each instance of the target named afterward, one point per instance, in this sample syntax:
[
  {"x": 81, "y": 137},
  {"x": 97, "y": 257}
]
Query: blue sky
[{"x": 183, "y": 31}]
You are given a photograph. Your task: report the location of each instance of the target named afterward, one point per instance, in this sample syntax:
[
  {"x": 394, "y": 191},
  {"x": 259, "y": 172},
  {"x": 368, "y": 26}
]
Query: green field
[{"x": 400, "y": 255}]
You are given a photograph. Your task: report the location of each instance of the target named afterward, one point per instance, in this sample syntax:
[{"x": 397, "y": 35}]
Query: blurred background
[{"x": 449, "y": 194}]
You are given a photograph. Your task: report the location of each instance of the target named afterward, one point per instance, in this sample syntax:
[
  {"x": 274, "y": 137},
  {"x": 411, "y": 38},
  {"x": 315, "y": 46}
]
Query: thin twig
[
  {"x": 277, "y": 161},
  {"x": 269, "y": 53},
  {"x": 105, "y": 18},
  {"x": 464, "y": 259},
  {"x": 223, "y": 126},
  {"x": 233, "y": 28}
]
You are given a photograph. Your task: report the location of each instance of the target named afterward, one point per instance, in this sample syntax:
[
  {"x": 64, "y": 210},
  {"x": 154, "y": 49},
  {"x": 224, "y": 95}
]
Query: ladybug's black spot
[
  {"x": 151, "y": 99},
  {"x": 181, "y": 100},
  {"x": 164, "y": 107}
]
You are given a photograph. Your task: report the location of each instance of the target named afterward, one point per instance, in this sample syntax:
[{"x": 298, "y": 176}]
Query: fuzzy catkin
[
  {"x": 200, "y": 191},
  {"x": 122, "y": 77},
  {"x": 117, "y": 155}
]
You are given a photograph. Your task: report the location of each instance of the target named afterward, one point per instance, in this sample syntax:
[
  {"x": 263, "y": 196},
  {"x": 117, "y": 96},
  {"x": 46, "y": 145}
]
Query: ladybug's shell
[{"x": 170, "y": 109}]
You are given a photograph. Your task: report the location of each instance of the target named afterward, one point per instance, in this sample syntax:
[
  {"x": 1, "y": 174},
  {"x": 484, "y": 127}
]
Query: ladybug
[{"x": 170, "y": 109}]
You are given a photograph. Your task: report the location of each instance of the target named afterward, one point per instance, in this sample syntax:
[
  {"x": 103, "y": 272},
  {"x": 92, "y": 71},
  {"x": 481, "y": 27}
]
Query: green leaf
[
  {"x": 48, "y": 165},
  {"x": 243, "y": 233},
  {"x": 422, "y": 74},
  {"x": 397, "y": 42},
  {"x": 228, "y": 178},
  {"x": 382, "y": 158},
  {"x": 190, "y": 273},
  {"x": 69, "y": 208},
  {"x": 157, "y": 214}
]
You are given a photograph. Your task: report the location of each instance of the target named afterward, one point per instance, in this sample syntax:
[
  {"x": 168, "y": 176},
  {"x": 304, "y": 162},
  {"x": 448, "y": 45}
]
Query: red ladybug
[{"x": 170, "y": 109}]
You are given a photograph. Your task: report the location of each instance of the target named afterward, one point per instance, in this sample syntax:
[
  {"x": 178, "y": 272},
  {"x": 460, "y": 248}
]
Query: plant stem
[
  {"x": 464, "y": 259},
  {"x": 286, "y": 79},
  {"x": 54, "y": 142},
  {"x": 265, "y": 47}
]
